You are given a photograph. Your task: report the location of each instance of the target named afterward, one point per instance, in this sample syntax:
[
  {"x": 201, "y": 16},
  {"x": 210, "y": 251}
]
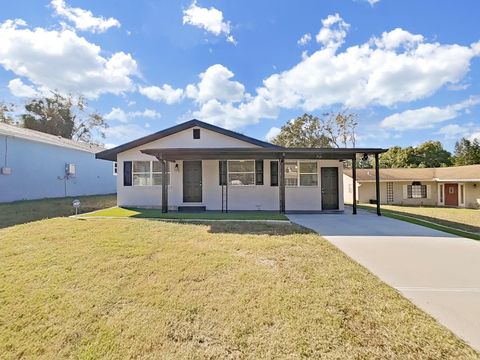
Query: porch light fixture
[{"x": 177, "y": 168}]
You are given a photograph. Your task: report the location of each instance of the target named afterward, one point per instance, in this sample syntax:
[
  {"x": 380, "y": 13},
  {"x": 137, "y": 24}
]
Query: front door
[
  {"x": 451, "y": 194},
  {"x": 329, "y": 188},
  {"x": 192, "y": 181}
]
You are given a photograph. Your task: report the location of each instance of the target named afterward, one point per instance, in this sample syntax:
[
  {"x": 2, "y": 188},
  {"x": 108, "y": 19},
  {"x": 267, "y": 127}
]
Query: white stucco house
[
  {"x": 211, "y": 168},
  {"x": 35, "y": 165}
]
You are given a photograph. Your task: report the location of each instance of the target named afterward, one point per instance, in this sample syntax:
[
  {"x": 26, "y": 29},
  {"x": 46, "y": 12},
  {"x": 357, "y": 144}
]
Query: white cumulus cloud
[
  {"x": 216, "y": 83},
  {"x": 305, "y": 39},
  {"x": 83, "y": 19},
  {"x": 427, "y": 117},
  {"x": 19, "y": 89},
  {"x": 166, "y": 93},
  {"x": 209, "y": 19},
  {"x": 333, "y": 32},
  {"x": 61, "y": 60},
  {"x": 381, "y": 71},
  {"x": 272, "y": 133}
]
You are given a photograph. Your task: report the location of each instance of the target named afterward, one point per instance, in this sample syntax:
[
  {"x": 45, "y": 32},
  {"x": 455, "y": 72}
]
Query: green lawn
[
  {"x": 463, "y": 221},
  {"x": 132, "y": 288},
  {"x": 20, "y": 212},
  {"x": 157, "y": 214}
]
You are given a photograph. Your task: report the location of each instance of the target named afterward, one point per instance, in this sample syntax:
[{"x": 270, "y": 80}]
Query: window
[
  {"x": 196, "y": 133},
  {"x": 417, "y": 191},
  {"x": 301, "y": 173},
  {"x": 308, "y": 174},
  {"x": 462, "y": 194},
  {"x": 147, "y": 173},
  {"x": 291, "y": 173},
  {"x": 115, "y": 168},
  {"x": 441, "y": 193},
  {"x": 389, "y": 192},
  {"x": 241, "y": 172}
]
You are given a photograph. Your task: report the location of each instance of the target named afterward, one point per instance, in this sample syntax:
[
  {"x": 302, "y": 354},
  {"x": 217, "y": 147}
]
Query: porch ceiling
[{"x": 172, "y": 154}]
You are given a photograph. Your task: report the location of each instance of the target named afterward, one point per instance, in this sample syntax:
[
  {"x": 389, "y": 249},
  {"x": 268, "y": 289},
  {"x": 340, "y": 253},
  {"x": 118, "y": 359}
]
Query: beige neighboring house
[{"x": 457, "y": 186}]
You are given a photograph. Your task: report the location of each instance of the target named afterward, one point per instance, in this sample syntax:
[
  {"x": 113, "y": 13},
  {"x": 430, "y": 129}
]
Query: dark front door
[
  {"x": 451, "y": 194},
  {"x": 329, "y": 188},
  {"x": 192, "y": 181}
]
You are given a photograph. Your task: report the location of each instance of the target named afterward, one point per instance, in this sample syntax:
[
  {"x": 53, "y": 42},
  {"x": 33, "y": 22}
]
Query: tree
[
  {"x": 432, "y": 154},
  {"x": 64, "y": 116},
  {"x": 428, "y": 154},
  {"x": 5, "y": 109},
  {"x": 331, "y": 130},
  {"x": 304, "y": 131},
  {"x": 340, "y": 128},
  {"x": 467, "y": 152}
]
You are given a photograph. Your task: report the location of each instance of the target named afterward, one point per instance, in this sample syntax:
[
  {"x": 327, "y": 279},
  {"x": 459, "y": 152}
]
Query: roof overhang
[{"x": 170, "y": 154}]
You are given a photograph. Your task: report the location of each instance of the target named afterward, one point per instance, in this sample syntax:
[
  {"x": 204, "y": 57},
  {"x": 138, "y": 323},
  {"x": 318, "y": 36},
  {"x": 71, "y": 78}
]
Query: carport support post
[
  {"x": 354, "y": 186},
  {"x": 164, "y": 165},
  {"x": 281, "y": 187},
  {"x": 377, "y": 183}
]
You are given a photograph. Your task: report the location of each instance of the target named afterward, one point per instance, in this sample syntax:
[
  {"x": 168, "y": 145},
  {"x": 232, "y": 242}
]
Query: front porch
[{"x": 324, "y": 182}]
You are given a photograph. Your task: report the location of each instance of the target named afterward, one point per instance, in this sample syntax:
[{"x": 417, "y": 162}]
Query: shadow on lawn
[
  {"x": 21, "y": 212},
  {"x": 253, "y": 228}
]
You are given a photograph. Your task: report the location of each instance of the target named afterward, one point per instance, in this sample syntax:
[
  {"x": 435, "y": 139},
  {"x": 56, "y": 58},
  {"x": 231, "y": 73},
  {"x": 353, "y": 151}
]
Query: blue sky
[{"x": 409, "y": 69}]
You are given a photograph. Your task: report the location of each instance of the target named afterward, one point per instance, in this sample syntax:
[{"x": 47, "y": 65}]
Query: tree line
[
  {"x": 70, "y": 117},
  {"x": 338, "y": 130}
]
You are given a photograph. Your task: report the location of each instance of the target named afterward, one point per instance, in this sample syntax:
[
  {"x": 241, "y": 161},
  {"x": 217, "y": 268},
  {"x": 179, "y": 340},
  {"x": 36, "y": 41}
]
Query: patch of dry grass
[
  {"x": 124, "y": 288},
  {"x": 458, "y": 218}
]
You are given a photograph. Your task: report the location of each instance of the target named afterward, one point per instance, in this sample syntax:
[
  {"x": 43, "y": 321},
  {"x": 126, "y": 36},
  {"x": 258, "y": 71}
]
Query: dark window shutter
[
  {"x": 273, "y": 173},
  {"x": 258, "y": 172},
  {"x": 222, "y": 172},
  {"x": 127, "y": 173}
]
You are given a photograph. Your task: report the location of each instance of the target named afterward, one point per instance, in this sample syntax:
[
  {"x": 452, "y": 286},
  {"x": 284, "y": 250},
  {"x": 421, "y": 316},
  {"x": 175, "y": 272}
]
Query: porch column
[
  {"x": 281, "y": 185},
  {"x": 164, "y": 165},
  {"x": 377, "y": 183},
  {"x": 354, "y": 186}
]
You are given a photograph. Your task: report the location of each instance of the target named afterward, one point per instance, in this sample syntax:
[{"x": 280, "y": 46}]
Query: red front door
[{"x": 451, "y": 194}]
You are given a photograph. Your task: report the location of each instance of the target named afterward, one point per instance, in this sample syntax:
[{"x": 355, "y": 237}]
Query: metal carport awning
[{"x": 172, "y": 154}]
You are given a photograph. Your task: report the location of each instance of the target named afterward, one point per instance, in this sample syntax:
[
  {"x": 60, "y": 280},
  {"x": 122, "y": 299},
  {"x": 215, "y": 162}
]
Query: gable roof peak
[{"x": 111, "y": 154}]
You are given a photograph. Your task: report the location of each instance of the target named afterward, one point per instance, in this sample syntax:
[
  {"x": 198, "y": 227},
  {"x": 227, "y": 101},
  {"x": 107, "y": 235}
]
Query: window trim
[
  {"x": 423, "y": 190},
  {"x": 150, "y": 172},
  {"x": 196, "y": 134},
  {"x": 241, "y": 172},
  {"x": 299, "y": 173}
]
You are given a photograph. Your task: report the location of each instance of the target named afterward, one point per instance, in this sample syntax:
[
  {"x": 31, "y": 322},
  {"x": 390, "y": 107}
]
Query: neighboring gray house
[{"x": 35, "y": 165}]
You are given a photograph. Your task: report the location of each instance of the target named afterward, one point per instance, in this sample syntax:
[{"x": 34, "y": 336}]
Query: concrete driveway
[{"x": 438, "y": 272}]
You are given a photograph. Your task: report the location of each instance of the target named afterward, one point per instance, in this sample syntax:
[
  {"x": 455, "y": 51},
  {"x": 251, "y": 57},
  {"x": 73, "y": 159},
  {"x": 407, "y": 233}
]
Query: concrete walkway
[{"x": 438, "y": 272}]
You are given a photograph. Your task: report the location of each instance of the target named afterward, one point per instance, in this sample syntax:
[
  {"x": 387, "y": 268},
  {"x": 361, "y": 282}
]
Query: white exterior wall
[{"x": 254, "y": 197}]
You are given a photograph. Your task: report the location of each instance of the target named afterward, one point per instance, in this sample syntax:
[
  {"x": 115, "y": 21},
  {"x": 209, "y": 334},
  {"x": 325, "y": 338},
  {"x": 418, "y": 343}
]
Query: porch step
[{"x": 192, "y": 209}]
